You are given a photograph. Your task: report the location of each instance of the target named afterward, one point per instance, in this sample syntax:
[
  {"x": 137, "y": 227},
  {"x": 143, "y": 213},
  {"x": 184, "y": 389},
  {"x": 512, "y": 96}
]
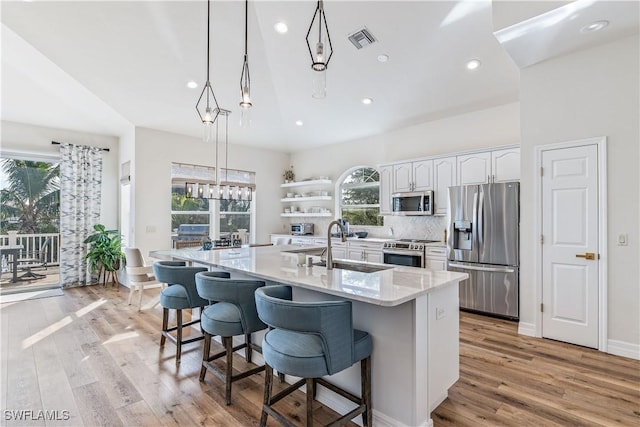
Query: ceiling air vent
[{"x": 362, "y": 38}]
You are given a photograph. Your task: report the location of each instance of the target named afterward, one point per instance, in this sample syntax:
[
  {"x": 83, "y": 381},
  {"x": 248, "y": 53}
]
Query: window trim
[{"x": 338, "y": 193}]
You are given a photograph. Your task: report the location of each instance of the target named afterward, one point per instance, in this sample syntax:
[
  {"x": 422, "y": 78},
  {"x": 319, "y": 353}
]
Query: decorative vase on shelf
[{"x": 289, "y": 176}]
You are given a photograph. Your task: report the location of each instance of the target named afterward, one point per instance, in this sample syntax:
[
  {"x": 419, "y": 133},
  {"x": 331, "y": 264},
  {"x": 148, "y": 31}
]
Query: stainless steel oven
[{"x": 407, "y": 252}]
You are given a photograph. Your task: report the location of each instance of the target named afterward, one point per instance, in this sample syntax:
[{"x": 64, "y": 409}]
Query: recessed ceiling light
[
  {"x": 299, "y": 123},
  {"x": 594, "y": 26},
  {"x": 383, "y": 58},
  {"x": 473, "y": 64},
  {"x": 367, "y": 101},
  {"x": 281, "y": 27},
  {"x": 192, "y": 84}
]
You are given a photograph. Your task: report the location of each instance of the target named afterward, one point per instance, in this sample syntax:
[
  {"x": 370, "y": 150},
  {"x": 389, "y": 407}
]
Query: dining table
[{"x": 14, "y": 252}]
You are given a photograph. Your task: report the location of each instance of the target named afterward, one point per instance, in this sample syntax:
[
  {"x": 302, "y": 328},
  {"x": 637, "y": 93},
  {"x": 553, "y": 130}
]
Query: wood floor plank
[{"x": 106, "y": 357}]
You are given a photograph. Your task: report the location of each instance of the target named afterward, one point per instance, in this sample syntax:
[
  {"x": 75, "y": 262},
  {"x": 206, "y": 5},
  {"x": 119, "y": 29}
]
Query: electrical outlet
[
  {"x": 151, "y": 228},
  {"x": 440, "y": 313},
  {"x": 623, "y": 239}
]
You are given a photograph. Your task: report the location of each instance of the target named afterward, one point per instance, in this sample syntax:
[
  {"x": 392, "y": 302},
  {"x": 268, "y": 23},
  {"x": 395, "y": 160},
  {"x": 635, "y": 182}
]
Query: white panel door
[
  {"x": 505, "y": 165},
  {"x": 423, "y": 175},
  {"x": 444, "y": 172},
  {"x": 474, "y": 168},
  {"x": 570, "y": 230},
  {"x": 373, "y": 256},
  {"x": 385, "y": 189},
  {"x": 402, "y": 177}
]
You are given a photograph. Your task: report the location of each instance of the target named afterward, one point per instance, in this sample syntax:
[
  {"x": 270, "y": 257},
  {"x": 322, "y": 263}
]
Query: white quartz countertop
[{"x": 390, "y": 287}]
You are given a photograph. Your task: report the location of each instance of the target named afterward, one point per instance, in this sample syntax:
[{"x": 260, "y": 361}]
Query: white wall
[
  {"x": 485, "y": 128},
  {"x": 30, "y": 139},
  {"x": 156, "y": 150},
  {"x": 587, "y": 94}
]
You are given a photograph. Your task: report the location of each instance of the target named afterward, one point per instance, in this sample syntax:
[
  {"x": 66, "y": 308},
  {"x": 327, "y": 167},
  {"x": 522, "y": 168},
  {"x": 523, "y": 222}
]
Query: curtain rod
[{"x": 58, "y": 143}]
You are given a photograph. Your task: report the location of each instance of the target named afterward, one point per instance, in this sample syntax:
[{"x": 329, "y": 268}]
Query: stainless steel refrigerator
[{"x": 483, "y": 241}]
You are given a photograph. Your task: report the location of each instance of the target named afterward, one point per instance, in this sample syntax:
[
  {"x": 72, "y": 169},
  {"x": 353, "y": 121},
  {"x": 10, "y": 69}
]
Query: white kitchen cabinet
[
  {"x": 365, "y": 251},
  {"x": 474, "y": 168},
  {"x": 386, "y": 184},
  {"x": 338, "y": 250},
  {"x": 444, "y": 176},
  {"x": 505, "y": 165},
  {"x": 435, "y": 258},
  {"x": 413, "y": 176},
  {"x": 489, "y": 166}
]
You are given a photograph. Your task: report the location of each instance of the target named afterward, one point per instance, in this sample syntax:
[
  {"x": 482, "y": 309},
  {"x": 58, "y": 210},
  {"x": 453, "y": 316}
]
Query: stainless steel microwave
[{"x": 415, "y": 203}]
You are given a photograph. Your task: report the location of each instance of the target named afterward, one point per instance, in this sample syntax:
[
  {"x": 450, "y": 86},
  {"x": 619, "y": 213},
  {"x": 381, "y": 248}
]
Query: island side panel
[{"x": 444, "y": 343}]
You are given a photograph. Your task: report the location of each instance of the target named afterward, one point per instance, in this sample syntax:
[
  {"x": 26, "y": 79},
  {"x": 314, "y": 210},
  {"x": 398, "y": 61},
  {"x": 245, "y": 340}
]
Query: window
[
  {"x": 186, "y": 210},
  {"x": 223, "y": 216},
  {"x": 360, "y": 197}
]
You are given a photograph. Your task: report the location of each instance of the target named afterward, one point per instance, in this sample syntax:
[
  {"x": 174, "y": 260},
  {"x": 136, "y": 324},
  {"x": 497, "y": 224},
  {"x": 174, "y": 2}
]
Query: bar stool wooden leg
[
  {"x": 310, "y": 394},
  {"x": 249, "y": 349},
  {"x": 205, "y": 355},
  {"x": 178, "y": 336},
  {"x": 165, "y": 325},
  {"x": 228, "y": 344},
  {"x": 268, "y": 383},
  {"x": 365, "y": 380}
]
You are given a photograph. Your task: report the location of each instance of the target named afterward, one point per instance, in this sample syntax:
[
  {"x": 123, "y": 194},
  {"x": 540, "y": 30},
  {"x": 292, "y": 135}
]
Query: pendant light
[
  {"x": 321, "y": 51},
  {"x": 245, "y": 79},
  {"x": 207, "y": 105}
]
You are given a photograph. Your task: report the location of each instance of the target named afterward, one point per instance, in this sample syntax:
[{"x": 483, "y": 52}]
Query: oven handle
[
  {"x": 412, "y": 253},
  {"x": 490, "y": 269}
]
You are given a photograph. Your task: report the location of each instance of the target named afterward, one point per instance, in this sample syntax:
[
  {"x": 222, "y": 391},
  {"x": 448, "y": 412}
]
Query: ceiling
[{"x": 105, "y": 66}]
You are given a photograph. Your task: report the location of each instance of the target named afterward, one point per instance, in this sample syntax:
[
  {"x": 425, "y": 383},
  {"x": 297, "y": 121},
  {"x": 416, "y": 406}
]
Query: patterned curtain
[{"x": 80, "y": 192}]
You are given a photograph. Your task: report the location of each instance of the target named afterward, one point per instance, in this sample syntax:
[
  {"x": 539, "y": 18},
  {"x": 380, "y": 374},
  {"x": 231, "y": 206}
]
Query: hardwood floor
[{"x": 97, "y": 361}]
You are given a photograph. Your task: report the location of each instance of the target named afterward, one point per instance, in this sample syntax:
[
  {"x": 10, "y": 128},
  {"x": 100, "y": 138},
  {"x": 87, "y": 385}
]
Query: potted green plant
[
  {"x": 288, "y": 175},
  {"x": 105, "y": 254}
]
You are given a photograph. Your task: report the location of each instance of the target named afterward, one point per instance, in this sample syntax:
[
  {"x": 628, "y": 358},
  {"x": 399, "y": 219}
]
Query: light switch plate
[{"x": 623, "y": 239}]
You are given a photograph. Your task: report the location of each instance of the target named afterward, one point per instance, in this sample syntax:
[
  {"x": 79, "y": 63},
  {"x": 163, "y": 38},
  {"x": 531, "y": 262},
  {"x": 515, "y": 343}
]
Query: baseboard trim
[
  {"x": 624, "y": 349},
  {"x": 527, "y": 329}
]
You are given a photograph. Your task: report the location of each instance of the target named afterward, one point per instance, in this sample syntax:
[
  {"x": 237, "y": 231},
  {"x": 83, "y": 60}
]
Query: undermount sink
[
  {"x": 307, "y": 251},
  {"x": 355, "y": 266}
]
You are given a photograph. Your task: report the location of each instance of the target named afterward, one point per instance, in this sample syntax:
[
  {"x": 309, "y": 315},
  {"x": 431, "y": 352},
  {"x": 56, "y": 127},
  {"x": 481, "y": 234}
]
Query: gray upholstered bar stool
[
  {"x": 180, "y": 294},
  {"x": 233, "y": 314},
  {"x": 311, "y": 340}
]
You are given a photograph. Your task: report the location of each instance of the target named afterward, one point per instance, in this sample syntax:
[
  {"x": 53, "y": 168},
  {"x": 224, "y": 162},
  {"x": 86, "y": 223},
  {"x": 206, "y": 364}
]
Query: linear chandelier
[
  {"x": 207, "y": 105},
  {"x": 220, "y": 189},
  {"x": 321, "y": 53}
]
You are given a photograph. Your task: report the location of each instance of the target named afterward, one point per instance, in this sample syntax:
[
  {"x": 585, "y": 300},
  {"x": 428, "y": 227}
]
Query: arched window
[{"x": 359, "y": 201}]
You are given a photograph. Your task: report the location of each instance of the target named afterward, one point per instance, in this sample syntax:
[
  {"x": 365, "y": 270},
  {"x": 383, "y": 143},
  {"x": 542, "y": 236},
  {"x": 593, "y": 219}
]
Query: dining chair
[
  {"x": 311, "y": 340},
  {"x": 139, "y": 274}
]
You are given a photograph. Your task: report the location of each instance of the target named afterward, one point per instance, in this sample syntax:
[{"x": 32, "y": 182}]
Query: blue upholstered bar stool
[
  {"x": 311, "y": 340},
  {"x": 233, "y": 314},
  {"x": 180, "y": 294}
]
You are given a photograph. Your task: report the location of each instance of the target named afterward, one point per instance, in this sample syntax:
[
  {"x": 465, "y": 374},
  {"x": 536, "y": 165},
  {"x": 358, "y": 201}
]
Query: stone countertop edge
[{"x": 394, "y": 286}]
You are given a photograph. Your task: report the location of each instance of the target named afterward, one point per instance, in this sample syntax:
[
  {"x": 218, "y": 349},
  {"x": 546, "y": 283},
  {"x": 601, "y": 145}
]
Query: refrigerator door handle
[
  {"x": 478, "y": 268},
  {"x": 474, "y": 231},
  {"x": 480, "y": 219}
]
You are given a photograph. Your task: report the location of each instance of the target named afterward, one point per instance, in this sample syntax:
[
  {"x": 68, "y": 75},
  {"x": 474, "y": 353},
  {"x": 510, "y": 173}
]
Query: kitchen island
[{"x": 411, "y": 314}]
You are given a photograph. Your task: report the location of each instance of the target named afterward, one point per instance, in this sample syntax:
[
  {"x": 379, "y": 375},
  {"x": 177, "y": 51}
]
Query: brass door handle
[{"x": 587, "y": 255}]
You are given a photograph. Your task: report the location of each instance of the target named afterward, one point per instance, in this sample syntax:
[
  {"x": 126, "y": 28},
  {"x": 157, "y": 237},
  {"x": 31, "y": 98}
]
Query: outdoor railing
[{"x": 31, "y": 244}]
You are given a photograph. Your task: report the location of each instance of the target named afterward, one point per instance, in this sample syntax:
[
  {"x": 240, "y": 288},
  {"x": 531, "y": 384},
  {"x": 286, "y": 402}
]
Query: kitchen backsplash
[{"x": 395, "y": 227}]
